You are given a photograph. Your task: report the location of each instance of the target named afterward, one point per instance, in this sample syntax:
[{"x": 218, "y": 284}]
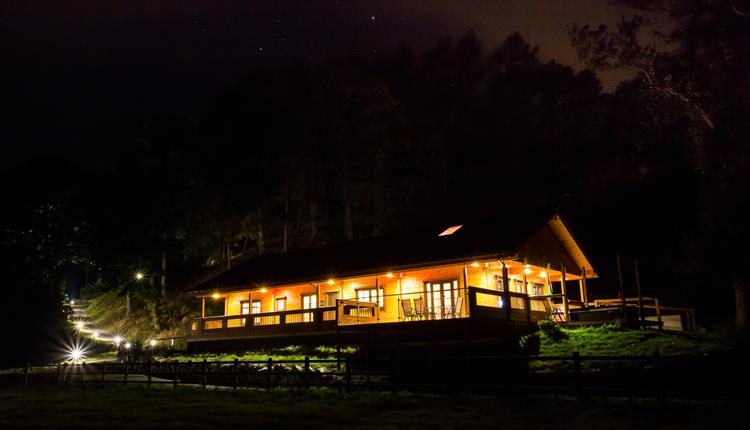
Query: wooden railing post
[
  {"x": 176, "y": 374},
  {"x": 234, "y": 369},
  {"x": 270, "y": 370},
  {"x": 348, "y": 374},
  {"x": 659, "y": 321},
  {"x": 306, "y": 373},
  {"x": 203, "y": 372},
  {"x": 577, "y": 372},
  {"x": 527, "y": 303},
  {"x": 658, "y": 377},
  {"x": 506, "y": 292}
]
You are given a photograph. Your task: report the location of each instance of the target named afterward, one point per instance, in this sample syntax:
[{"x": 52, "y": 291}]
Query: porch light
[
  {"x": 127, "y": 345},
  {"x": 389, "y": 275},
  {"x": 72, "y": 302},
  {"x": 475, "y": 264},
  {"x": 138, "y": 276},
  {"x": 80, "y": 325},
  {"x": 542, "y": 274},
  {"x": 528, "y": 271},
  {"x": 152, "y": 343},
  {"x": 264, "y": 290},
  {"x": 117, "y": 340},
  {"x": 331, "y": 282},
  {"x": 215, "y": 295}
]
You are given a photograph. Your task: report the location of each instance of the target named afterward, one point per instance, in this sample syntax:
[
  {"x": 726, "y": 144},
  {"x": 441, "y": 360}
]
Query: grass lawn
[
  {"x": 139, "y": 408},
  {"x": 613, "y": 340}
]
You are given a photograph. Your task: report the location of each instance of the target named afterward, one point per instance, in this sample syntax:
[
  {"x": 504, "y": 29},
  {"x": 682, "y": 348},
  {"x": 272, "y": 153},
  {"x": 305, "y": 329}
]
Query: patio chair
[
  {"x": 455, "y": 311},
  {"x": 554, "y": 313},
  {"x": 409, "y": 312},
  {"x": 419, "y": 308}
]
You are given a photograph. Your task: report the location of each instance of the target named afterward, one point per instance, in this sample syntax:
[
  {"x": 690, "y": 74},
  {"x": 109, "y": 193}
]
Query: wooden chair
[
  {"x": 554, "y": 313},
  {"x": 409, "y": 312},
  {"x": 419, "y": 308},
  {"x": 455, "y": 311}
]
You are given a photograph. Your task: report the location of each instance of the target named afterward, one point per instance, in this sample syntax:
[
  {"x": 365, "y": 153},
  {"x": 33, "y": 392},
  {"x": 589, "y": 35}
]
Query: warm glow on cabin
[{"x": 331, "y": 282}]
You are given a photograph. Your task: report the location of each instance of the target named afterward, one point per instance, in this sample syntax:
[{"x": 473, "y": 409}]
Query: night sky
[{"x": 94, "y": 72}]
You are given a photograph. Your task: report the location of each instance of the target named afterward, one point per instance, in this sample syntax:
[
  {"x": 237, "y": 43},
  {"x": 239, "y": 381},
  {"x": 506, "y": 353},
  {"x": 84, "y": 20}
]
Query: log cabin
[{"x": 505, "y": 273}]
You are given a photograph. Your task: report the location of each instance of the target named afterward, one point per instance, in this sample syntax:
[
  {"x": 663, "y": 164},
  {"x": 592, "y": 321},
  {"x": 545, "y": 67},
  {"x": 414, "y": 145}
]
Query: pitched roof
[{"x": 493, "y": 237}]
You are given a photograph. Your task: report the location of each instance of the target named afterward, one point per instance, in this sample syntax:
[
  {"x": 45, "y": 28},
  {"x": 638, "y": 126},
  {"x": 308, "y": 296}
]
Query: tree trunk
[
  {"x": 260, "y": 240},
  {"x": 348, "y": 229},
  {"x": 127, "y": 302},
  {"x": 163, "y": 282},
  {"x": 740, "y": 302}
]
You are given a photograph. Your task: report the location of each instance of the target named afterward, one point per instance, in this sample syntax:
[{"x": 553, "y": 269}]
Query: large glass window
[
  {"x": 281, "y": 304},
  {"x": 244, "y": 307},
  {"x": 257, "y": 306},
  {"x": 441, "y": 297},
  {"x": 372, "y": 295}
]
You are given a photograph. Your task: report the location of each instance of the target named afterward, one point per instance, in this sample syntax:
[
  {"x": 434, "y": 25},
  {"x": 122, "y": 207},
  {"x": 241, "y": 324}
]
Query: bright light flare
[
  {"x": 152, "y": 343},
  {"x": 542, "y": 274},
  {"x": 127, "y": 345},
  {"x": 330, "y": 282},
  {"x": 117, "y": 340},
  {"x": 475, "y": 264},
  {"x": 138, "y": 276},
  {"x": 95, "y": 335},
  {"x": 389, "y": 275},
  {"x": 215, "y": 295},
  {"x": 80, "y": 325},
  {"x": 76, "y": 354},
  {"x": 264, "y": 290},
  {"x": 528, "y": 271}
]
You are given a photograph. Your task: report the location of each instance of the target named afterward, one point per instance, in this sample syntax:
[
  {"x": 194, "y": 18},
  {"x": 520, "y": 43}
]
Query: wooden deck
[{"x": 351, "y": 318}]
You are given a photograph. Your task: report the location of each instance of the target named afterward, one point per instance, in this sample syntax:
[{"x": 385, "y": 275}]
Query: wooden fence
[{"x": 574, "y": 375}]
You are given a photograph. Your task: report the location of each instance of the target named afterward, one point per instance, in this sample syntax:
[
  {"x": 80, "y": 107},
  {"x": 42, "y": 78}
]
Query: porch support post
[
  {"x": 466, "y": 287},
  {"x": 400, "y": 298},
  {"x": 547, "y": 281},
  {"x": 564, "y": 292},
  {"x": 506, "y": 291},
  {"x": 525, "y": 282},
  {"x": 622, "y": 286},
  {"x": 203, "y": 307},
  {"x": 585, "y": 295},
  {"x": 640, "y": 294}
]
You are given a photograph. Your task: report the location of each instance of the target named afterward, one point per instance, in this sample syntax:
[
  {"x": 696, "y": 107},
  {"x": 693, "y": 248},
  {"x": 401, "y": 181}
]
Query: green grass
[
  {"x": 613, "y": 340},
  {"x": 618, "y": 341},
  {"x": 136, "y": 408}
]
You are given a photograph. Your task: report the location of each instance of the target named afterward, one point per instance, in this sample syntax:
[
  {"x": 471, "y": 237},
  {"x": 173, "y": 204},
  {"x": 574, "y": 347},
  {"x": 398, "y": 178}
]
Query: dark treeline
[{"x": 300, "y": 156}]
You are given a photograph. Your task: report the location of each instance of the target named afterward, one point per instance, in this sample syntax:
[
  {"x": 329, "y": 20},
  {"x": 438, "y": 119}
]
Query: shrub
[{"x": 551, "y": 330}]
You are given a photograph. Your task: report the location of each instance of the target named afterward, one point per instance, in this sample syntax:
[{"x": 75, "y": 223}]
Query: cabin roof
[{"x": 497, "y": 237}]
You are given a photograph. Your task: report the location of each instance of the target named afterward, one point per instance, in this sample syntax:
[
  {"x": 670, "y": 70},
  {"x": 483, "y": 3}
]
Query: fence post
[
  {"x": 26, "y": 376},
  {"x": 148, "y": 372},
  {"x": 203, "y": 372},
  {"x": 125, "y": 374},
  {"x": 176, "y": 374},
  {"x": 577, "y": 372},
  {"x": 59, "y": 373},
  {"x": 658, "y": 377},
  {"x": 306, "y": 373},
  {"x": 234, "y": 384},
  {"x": 348, "y": 374},
  {"x": 268, "y": 375}
]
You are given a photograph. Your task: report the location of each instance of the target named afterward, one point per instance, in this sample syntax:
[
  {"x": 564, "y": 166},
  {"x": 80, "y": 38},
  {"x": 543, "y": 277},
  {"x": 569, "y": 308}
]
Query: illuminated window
[
  {"x": 309, "y": 301},
  {"x": 450, "y": 230},
  {"x": 331, "y": 298},
  {"x": 257, "y": 306},
  {"x": 245, "y": 308},
  {"x": 371, "y": 295},
  {"x": 281, "y": 304}
]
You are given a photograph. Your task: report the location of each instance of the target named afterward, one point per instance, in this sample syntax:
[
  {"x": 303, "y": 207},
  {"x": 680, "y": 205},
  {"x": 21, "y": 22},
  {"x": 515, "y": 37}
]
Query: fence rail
[{"x": 654, "y": 376}]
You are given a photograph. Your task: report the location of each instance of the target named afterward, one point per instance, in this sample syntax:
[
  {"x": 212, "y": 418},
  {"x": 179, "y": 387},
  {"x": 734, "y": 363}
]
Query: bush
[{"x": 551, "y": 330}]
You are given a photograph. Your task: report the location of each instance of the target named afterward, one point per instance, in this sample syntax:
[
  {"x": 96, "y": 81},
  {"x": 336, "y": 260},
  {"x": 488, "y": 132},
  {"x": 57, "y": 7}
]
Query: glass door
[
  {"x": 309, "y": 301},
  {"x": 441, "y": 297}
]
